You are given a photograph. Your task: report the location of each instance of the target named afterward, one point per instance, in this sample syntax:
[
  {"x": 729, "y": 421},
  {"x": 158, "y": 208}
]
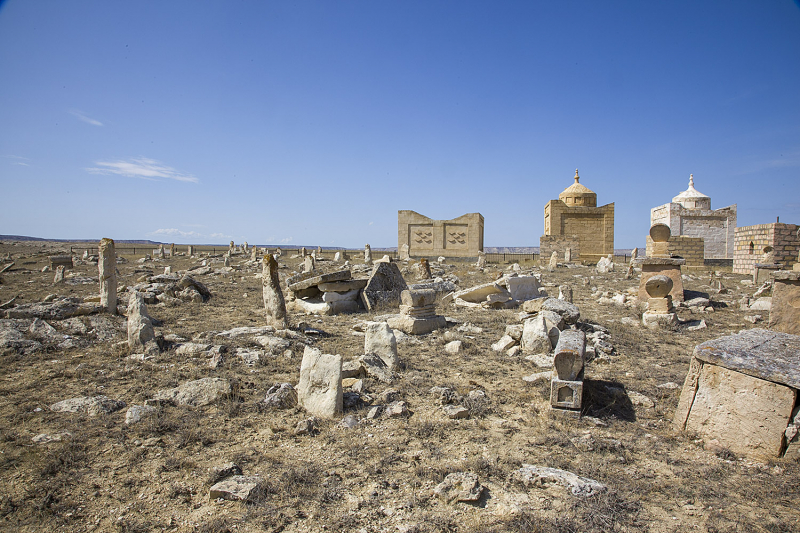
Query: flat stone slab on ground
[
  {"x": 304, "y": 281},
  {"x": 235, "y": 488},
  {"x": 543, "y": 476}
]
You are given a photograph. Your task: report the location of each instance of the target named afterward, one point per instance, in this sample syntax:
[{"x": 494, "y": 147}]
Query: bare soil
[{"x": 379, "y": 476}]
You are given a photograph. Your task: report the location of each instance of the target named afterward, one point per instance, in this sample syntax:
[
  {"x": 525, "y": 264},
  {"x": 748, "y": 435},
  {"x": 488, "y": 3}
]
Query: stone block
[
  {"x": 416, "y": 326},
  {"x": 784, "y": 314},
  {"x": 666, "y": 267},
  {"x": 740, "y": 390},
  {"x": 320, "y": 388}
]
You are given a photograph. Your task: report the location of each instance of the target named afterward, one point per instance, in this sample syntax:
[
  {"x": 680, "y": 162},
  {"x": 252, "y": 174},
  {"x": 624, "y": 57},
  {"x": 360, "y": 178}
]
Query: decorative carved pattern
[
  {"x": 422, "y": 236},
  {"x": 457, "y": 237}
]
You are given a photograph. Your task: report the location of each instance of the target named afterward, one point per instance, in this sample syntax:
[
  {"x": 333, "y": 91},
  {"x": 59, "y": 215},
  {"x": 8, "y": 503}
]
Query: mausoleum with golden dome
[{"x": 574, "y": 221}]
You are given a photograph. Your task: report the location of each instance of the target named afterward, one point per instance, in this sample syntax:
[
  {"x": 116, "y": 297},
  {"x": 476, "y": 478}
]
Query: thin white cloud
[
  {"x": 142, "y": 168},
  {"x": 83, "y": 117},
  {"x": 192, "y": 235},
  {"x": 287, "y": 240},
  {"x": 17, "y": 160}
]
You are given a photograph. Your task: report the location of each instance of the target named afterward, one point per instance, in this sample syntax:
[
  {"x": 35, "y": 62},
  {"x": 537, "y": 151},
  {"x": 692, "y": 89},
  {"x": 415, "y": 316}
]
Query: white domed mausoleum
[{"x": 698, "y": 232}]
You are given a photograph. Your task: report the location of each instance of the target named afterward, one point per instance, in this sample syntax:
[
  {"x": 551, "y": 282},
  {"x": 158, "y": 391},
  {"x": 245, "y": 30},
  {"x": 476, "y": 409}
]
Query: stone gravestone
[
  {"x": 403, "y": 253},
  {"x": 740, "y": 391},
  {"x": 274, "y": 304},
  {"x": 107, "y": 266},
  {"x": 384, "y": 287},
  {"x": 320, "y": 388},
  {"x": 568, "y": 255},
  {"x": 190, "y": 250},
  {"x": 379, "y": 340},
  {"x": 566, "y": 386},
  {"x": 660, "y": 265},
  {"x": 367, "y": 254},
  {"x": 660, "y": 311},
  {"x": 59, "y": 277},
  {"x": 417, "y": 313},
  {"x": 553, "y": 262},
  {"x": 784, "y": 313},
  {"x": 309, "y": 264},
  {"x": 481, "y": 260}
]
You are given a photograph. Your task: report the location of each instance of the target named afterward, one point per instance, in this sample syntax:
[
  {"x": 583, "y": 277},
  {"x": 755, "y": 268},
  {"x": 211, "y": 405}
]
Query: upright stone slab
[
  {"x": 784, "y": 314},
  {"x": 740, "y": 391},
  {"x": 403, "y": 253},
  {"x": 380, "y": 340},
  {"x": 367, "y": 254},
  {"x": 190, "y": 250},
  {"x": 309, "y": 264},
  {"x": 481, "y": 260},
  {"x": 384, "y": 287},
  {"x": 524, "y": 288},
  {"x": 107, "y": 265},
  {"x": 172, "y": 250},
  {"x": 553, "y": 262},
  {"x": 320, "y": 388},
  {"x": 140, "y": 327},
  {"x": 568, "y": 255},
  {"x": 426, "y": 237},
  {"x": 274, "y": 304},
  {"x": 59, "y": 276}
]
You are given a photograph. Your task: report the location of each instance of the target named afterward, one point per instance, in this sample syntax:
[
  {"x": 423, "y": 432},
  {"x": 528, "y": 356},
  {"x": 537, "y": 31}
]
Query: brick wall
[
  {"x": 750, "y": 241},
  {"x": 594, "y": 227},
  {"x": 692, "y": 249}
]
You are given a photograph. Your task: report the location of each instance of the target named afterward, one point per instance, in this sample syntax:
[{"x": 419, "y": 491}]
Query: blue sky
[{"x": 315, "y": 122}]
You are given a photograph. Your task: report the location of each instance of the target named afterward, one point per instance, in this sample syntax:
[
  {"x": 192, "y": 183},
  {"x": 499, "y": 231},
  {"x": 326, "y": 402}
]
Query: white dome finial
[{"x": 691, "y": 180}]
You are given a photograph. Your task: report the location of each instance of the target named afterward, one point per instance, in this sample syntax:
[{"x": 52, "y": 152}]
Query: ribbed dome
[
  {"x": 578, "y": 195},
  {"x": 691, "y": 198}
]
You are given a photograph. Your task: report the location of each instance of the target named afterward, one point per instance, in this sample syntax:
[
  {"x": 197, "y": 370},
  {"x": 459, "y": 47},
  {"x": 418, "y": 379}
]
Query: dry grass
[{"x": 378, "y": 476}]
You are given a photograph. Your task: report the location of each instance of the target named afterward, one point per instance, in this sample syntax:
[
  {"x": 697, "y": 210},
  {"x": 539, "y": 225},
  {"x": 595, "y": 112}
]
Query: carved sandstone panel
[
  {"x": 421, "y": 236},
  {"x": 456, "y": 236}
]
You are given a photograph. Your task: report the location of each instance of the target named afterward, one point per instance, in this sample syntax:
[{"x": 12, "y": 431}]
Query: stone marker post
[
  {"x": 107, "y": 266},
  {"x": 172, "y": 250},
  {"x": 274, "y": 304},
  {"x": 481, "y": 260},
  {"x": 553, "y": 262},
  {"x": 403, "y": 255},
  {"x": 367, "y": 254},
  {"x": 190, "y": 250}
]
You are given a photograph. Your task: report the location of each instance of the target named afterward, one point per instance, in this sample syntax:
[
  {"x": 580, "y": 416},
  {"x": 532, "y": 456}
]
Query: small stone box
[
  {"x": 566, "y": 394},
  {"x": 60, "y": 260},
  {"x": 741, "y": 390}
]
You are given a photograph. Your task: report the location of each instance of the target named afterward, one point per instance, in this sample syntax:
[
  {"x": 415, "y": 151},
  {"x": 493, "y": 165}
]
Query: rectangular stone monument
[
  {"x": 566, "y": 386},
  {"x": 740, "y": 391},
  {"x": 425, "y": 237},
  {"x": 784, "y": 314}
]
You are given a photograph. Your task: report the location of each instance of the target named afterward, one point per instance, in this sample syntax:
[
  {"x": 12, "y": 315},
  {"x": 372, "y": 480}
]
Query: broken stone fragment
[
  {"x": 543, "y": 476},
  {"x": 281, "y": 396},
  {"x": 455, "y": 412},
  {"x": 380, "y": 340},
  {"x": 197, "y": 393},
  {"x": 242, "y": 488},
  {"x": 93, "y": 406},
  {"x": 459, "y": 487},
  {"x": 320, "y": 388},
  {"x": 136, "y": 412}
]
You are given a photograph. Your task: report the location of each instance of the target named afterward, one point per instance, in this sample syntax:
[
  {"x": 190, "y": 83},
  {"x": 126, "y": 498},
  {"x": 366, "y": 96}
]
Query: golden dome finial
[{"x": 576, "y": 176}]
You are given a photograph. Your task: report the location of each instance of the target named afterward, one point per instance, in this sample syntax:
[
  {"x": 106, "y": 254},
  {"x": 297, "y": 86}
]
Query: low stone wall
[{"x": 559, "y": 244}]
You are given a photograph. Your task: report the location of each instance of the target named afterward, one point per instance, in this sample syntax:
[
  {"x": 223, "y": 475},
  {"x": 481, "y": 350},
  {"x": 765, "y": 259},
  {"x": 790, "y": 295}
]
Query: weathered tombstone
[
  {"x": 417, "y": 313},
  {"x": 278, "y": 253},
  {"x": 422, "y": 270},
  {"x": 140, "y": 327},
  {"x": 314, "y": 255},
  {"x": 741, "y": 391},
  {"x": 227, "y": 261},
  {"x": 231, "y": 248},
  {"x": 379, "y": 340},
  {"x": 551, "y": 267},
  {"x": 107, "y": 266},
  {"x": 568, "y": 255},
  {"x": 481, "y": 260},
  {"x": 337, "y": 257},
  {"x": 367, "y": 254},
  {"x": 244, "y": 247},
  {"x": 565, "y": 293},
  {"x": 274, "y": 304},
  {"x": 660, "y": 311},
  {"x": 384, "y": 287},
  {"x": 605, "y": 265},
  {"x": 309, "y": 263},
  {"x": 403, "y": 253},
  {"x": 161, "y": 251},
  {"x": 172, "y": 250},
  {"x": 664, "y": 265},
  {"x": 85, "y": 255},
  {"x": 254, "y": 254},
  {"x": 303, "y": 252},
  {"x": 784, "y": 313},
  {"x": 190, "y": 250},
  {"x": 59, "y": 277},
  {"x": 566, "y": 387},
  {"x": 320, "y": 388}
]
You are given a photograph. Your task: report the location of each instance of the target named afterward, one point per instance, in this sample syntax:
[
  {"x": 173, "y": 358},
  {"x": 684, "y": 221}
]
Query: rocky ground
[{"x": 90, "y": 466}]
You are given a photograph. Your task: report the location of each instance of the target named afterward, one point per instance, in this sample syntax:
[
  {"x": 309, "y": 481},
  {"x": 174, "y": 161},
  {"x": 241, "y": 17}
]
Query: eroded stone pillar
[{"x": 107, "y": 265}]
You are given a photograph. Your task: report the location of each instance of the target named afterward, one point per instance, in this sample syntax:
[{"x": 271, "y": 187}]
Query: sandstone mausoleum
[
  {"x": 690, "y": 217},
  {"x": 574, "y": 221},
  {"x": 425, "y": 237}
]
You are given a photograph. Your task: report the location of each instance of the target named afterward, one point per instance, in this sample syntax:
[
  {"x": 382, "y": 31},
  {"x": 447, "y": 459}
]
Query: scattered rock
[
  {"x": 93, "y": 406},
  {"x": 281, "y": 396},
  {"x": 459, "y": 487},
  {"x": 543, "y": 476},
  {"x": 136, "y": 412},
  {"x": 197, "y": 393},
  {"x": 241, "y": 488}
]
